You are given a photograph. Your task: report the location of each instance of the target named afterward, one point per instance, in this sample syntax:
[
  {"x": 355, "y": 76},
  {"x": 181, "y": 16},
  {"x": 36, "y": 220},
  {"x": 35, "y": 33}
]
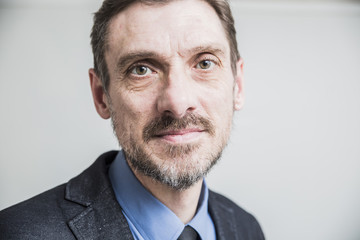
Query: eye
[
  {"x": 141, "y": 70},
  {"x": 205, "y": 64}
]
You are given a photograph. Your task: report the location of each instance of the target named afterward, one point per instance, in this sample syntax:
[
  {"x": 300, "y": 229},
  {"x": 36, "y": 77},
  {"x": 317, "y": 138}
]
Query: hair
[{"x": 110, "y": 8}]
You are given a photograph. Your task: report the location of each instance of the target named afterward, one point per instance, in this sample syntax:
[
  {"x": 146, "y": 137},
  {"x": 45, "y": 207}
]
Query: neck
[{"x": 183, "y": 203}]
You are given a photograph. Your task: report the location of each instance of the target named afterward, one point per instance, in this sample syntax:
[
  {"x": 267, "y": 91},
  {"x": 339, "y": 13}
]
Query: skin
[{"x": 170, "y": 59}]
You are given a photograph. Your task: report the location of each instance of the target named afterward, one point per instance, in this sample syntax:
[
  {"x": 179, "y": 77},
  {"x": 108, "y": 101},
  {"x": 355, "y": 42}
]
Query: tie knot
[{"x": 189, "y": 234}]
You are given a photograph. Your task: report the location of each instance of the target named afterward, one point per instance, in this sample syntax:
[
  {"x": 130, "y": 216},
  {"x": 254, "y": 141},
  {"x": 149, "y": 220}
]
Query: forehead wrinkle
[{"x": 123, "y": 30}]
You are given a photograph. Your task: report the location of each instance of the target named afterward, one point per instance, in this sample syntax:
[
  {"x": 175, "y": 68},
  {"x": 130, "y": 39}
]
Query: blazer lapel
[
  {"x": 101, "y": 220},
  {"x": 223, "y": 218},
  {"x": 102, "y": 217}
]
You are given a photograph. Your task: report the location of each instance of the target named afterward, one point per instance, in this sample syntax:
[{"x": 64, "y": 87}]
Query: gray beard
[{"x": 176, "y": 177}]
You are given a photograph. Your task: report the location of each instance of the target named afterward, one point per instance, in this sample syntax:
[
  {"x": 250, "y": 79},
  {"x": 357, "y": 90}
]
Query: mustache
[{"x": 167, "y": 122}]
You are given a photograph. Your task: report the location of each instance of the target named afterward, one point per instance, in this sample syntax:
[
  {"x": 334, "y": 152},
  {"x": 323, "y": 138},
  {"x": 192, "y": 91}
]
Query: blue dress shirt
[{"x": 148, "y": 218}]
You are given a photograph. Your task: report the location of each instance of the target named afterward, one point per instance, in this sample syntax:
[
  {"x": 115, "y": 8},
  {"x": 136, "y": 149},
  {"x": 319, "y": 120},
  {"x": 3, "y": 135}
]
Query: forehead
[{"x": 168, "y": 29}]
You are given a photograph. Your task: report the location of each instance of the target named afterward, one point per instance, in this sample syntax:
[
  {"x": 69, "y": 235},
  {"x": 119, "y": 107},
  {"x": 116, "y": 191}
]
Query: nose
[{"x": 177, "y": 96}]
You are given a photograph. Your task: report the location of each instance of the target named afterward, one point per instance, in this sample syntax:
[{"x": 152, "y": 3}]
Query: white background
[{"x": 294, "y": 156}]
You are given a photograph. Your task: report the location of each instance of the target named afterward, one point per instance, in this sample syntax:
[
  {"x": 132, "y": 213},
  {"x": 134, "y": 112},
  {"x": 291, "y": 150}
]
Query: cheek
[
  {"x": 218, "y": 98},
  {"x": 218, "y": 104},
  {"x": 133, "y": 112}
]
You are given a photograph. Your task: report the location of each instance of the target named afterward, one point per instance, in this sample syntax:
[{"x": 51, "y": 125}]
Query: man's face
[{"x": 172, "y": 91}]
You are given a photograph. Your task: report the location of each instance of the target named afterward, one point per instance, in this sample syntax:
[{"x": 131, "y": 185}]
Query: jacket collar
[
  {"x": 102, "y": 217},
  {"x": 223, "y": 217}
]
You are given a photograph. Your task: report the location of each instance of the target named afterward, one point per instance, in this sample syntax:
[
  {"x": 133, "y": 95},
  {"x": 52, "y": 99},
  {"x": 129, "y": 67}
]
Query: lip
[{"x": 180, "y": 136}]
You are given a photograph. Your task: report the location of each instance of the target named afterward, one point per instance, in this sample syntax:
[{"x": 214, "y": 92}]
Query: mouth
[{"x": 180, "y": 136}]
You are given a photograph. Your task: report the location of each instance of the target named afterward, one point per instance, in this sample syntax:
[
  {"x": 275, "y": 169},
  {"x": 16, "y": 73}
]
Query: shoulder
[
  {"x": 41, "y": 217},
  {"x": 46, "y": 216},
  {"x": 228, "y": 215}
]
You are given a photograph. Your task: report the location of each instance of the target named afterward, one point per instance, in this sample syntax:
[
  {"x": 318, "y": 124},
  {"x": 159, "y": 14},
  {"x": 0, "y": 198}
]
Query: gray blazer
[{"x": 86, "y": 208}]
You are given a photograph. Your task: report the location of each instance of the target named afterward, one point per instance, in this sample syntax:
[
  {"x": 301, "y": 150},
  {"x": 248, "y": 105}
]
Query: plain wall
[{"x": 294, "y": 155}]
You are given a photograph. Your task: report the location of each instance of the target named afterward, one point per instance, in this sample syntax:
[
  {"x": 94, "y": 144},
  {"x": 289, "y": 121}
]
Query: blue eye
[
  {"x": 205, "y": 64},
  {"x": 141, "y": 70}
]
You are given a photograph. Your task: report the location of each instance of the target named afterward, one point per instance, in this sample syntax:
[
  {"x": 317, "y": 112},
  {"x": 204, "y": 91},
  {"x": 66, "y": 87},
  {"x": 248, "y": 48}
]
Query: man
[{"x": 169, "y": 76}]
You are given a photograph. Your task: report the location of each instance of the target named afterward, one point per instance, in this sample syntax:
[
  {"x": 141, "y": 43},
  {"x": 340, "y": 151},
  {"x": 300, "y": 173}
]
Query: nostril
[
  {"x": 176, "y": 98},
  {"x": 174, "y": 114}
]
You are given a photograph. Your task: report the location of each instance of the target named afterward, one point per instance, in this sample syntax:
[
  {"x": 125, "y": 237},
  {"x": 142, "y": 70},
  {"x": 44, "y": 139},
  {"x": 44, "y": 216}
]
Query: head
[{"x": 169, "y": 75}]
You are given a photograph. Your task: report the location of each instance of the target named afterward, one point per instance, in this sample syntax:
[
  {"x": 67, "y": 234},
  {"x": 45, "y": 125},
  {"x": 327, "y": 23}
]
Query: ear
[
  {"x": 99, "y": 96},
  {"x": 238, "y": 87}
]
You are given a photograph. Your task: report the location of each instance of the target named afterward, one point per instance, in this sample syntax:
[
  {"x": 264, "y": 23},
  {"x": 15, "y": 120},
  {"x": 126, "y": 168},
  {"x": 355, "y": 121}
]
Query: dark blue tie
[{"x": 189, "y": 234}]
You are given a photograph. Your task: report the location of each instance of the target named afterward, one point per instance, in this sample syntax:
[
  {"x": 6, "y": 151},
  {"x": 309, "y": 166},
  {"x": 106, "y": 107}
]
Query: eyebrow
[
  {"x": 207, "y": 49},
  {"x": 131, "y": 57}
]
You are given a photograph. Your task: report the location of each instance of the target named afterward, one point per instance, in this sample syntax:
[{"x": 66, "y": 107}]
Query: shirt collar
[
  {"x": 202, "y": 220},
  {"x": 151, "y": 218}
]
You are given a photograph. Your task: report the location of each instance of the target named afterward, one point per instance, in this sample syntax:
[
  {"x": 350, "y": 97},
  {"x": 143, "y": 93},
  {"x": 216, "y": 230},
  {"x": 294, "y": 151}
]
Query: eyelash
[
  {"x": 139, "y": 64},
  {"x": 211, "y": 58}
]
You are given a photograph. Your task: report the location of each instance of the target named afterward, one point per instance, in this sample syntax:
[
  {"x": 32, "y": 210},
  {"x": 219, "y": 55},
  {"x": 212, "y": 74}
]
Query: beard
[{"x": 179, "y": 169}]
